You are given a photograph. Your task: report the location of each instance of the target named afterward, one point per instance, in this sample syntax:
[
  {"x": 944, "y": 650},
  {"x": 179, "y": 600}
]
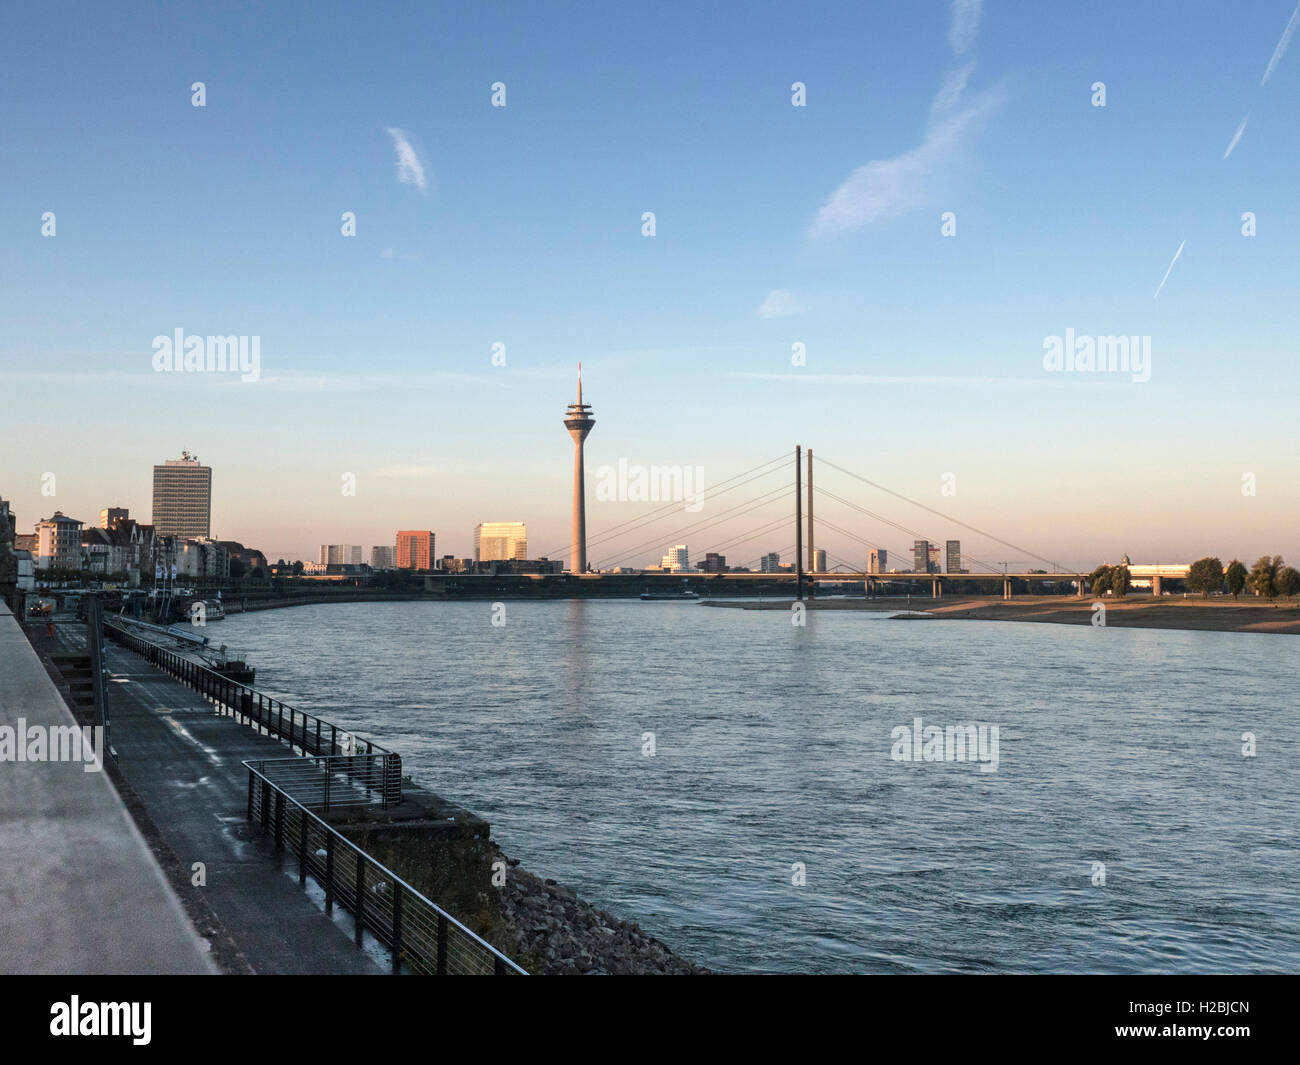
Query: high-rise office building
[
  {"x": 340, "y": 554},
  {"x": 713, "y": 563},
  {"x": 383, "y": 557},
  {"x": 954, "y": 556},
  {"x": 818, "y": 560},
  {"x": 878, "y": 561},
  {"x": 497, "y": 541},
  {"x": 415, "y": 549},
  {"x": 921, "y": 556},
  {"x": 770, "y": 563},
  {"x": 110, "y": 516},
  {"x": 933, "y": 561},
  {"x": 182, "y": 498},
  {"x": 678, "y": 559}
]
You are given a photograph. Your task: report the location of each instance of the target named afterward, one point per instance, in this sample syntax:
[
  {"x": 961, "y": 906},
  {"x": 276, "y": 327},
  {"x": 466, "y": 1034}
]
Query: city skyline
[{"x": 439, "y": 324}]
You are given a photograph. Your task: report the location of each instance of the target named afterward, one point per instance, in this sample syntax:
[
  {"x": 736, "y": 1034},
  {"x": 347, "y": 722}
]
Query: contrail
[
  {"x": 1171, "y": 267},
  {"x": 1236, "y": 136},
  {"x": 1282, "y": 43}
]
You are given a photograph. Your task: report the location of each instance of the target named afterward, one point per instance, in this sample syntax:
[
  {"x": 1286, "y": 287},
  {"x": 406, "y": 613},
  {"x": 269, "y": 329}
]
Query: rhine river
[{"x": 772, "y": 747}]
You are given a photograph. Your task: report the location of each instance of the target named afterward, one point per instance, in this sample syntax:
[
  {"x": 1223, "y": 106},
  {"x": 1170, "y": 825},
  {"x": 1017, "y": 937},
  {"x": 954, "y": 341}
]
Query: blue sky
[{"x": 376, "y": 348}]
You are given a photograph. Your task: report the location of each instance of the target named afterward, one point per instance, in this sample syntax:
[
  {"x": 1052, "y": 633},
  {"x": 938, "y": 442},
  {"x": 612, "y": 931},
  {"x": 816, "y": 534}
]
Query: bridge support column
[
  {"x": 934, "y": 588},
  {"x": 1079, "y": 582},
  {"x": 1155, "y": 586},
  {"x": 1006, "y": 588}
]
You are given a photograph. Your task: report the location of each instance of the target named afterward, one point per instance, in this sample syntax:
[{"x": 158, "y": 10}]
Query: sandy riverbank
[{"x": 1136, "y": 612}]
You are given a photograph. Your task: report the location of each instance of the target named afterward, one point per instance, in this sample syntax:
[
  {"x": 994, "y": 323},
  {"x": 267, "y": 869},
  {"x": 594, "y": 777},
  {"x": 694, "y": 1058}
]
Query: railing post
[
  {"x": 442, "y": 944},
  {"x": 318, "y": 735},
  {"x": 361, "y": 893},
  {"x": 328, "y": 774},
  {"x": 397, "y": 927},
  {"x": 302, "y": 848},
  {"x": 266, "y": 804},
  {"x": 250, "y": 795},
  {"x": 279, "y": 819},
  {"x": 329, "y": 873}
]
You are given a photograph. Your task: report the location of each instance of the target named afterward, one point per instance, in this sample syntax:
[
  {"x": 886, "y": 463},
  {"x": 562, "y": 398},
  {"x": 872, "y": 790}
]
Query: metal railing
[
  {"x": 325, "y": 782},
  {"x": 307, "y": 733},
  {"x": 421, "y": 936}
]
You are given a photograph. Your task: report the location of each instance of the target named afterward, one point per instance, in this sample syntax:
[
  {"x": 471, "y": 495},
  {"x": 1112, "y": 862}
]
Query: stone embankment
[
  {"x": 447, "y": 853},
  {"x": 559, "y": 933}
]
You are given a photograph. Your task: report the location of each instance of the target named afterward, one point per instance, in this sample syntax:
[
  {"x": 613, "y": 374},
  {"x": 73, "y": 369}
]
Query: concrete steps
[{"x": 76, "y": 673}]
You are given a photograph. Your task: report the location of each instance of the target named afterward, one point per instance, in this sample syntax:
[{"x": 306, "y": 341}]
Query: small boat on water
[{"x": 668, "y": 593}]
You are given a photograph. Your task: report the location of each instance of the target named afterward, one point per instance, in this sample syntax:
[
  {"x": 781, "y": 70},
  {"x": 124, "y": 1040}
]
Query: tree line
[{"x": 1268, "y": 578}]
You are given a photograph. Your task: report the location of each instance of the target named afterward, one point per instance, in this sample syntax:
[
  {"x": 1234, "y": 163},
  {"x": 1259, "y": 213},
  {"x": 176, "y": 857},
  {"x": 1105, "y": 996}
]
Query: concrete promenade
[
  {"x": 80, "y": 891},
  {"x": 182, "y": 760}
]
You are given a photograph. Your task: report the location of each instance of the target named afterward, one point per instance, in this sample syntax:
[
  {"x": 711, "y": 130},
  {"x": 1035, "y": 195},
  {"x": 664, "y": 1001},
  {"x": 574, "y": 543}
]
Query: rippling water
[{"x": 1120, "y": 746}]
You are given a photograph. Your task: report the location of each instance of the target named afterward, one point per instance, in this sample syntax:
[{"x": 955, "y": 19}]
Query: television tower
[{"x": 578, "y": 420}]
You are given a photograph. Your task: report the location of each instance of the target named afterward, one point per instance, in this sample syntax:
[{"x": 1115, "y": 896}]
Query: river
[{"x": 1120, "y": 755}]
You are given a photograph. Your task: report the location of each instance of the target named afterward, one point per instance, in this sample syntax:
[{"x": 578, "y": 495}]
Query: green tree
[
  {"x": 1206, "y": 576},
  {"x": 1235, "y": 577},
  {"x": 1288, "y": 581},
  {"x": 1099, "y": 580},
  {"x": 1120, "y": 581},
  {"x": 1262, "y": 579},
  {"x": 297, "y": 568}
]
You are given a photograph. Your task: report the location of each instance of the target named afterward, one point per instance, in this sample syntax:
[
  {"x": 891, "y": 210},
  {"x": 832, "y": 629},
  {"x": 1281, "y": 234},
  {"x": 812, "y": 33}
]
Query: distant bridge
[
  {"x": 768, "y": 509},
  {"x": 870, "y": 581}
]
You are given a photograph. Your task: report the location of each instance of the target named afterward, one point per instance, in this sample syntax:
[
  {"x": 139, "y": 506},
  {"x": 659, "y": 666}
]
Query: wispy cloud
[
  {"x": 1042, "y": 381},
  {"x": 1171, "y": 267},
  {"x": 950, "y": 92},
  {"x": 965, "y": 25},
  {"x": 410, "y": 169},
  {"x": 1282, "y": 43},
  {"x": 1236, "y": 137},
  {"x": 780, "y": 303},
  {"x": 886, "y": 188}
]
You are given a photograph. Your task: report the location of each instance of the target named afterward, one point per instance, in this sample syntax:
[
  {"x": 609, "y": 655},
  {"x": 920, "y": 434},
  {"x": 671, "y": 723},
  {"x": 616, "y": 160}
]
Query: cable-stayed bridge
[{"x": 783, "y": 500}]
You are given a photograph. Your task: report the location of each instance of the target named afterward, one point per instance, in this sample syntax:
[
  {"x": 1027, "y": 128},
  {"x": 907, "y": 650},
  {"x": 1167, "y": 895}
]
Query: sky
[{"x": 946, "y": 199}]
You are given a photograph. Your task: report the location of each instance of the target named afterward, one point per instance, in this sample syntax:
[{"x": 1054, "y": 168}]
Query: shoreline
[
  {"x": 1275, "y": 617},
  {"x": 1278, "y": 617}
]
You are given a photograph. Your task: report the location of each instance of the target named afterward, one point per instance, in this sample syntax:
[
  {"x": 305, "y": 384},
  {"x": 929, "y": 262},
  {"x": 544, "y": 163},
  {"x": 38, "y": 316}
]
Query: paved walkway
[
  {"x": 183, "y": 761},
  {"x": 80, "y": 892}
]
